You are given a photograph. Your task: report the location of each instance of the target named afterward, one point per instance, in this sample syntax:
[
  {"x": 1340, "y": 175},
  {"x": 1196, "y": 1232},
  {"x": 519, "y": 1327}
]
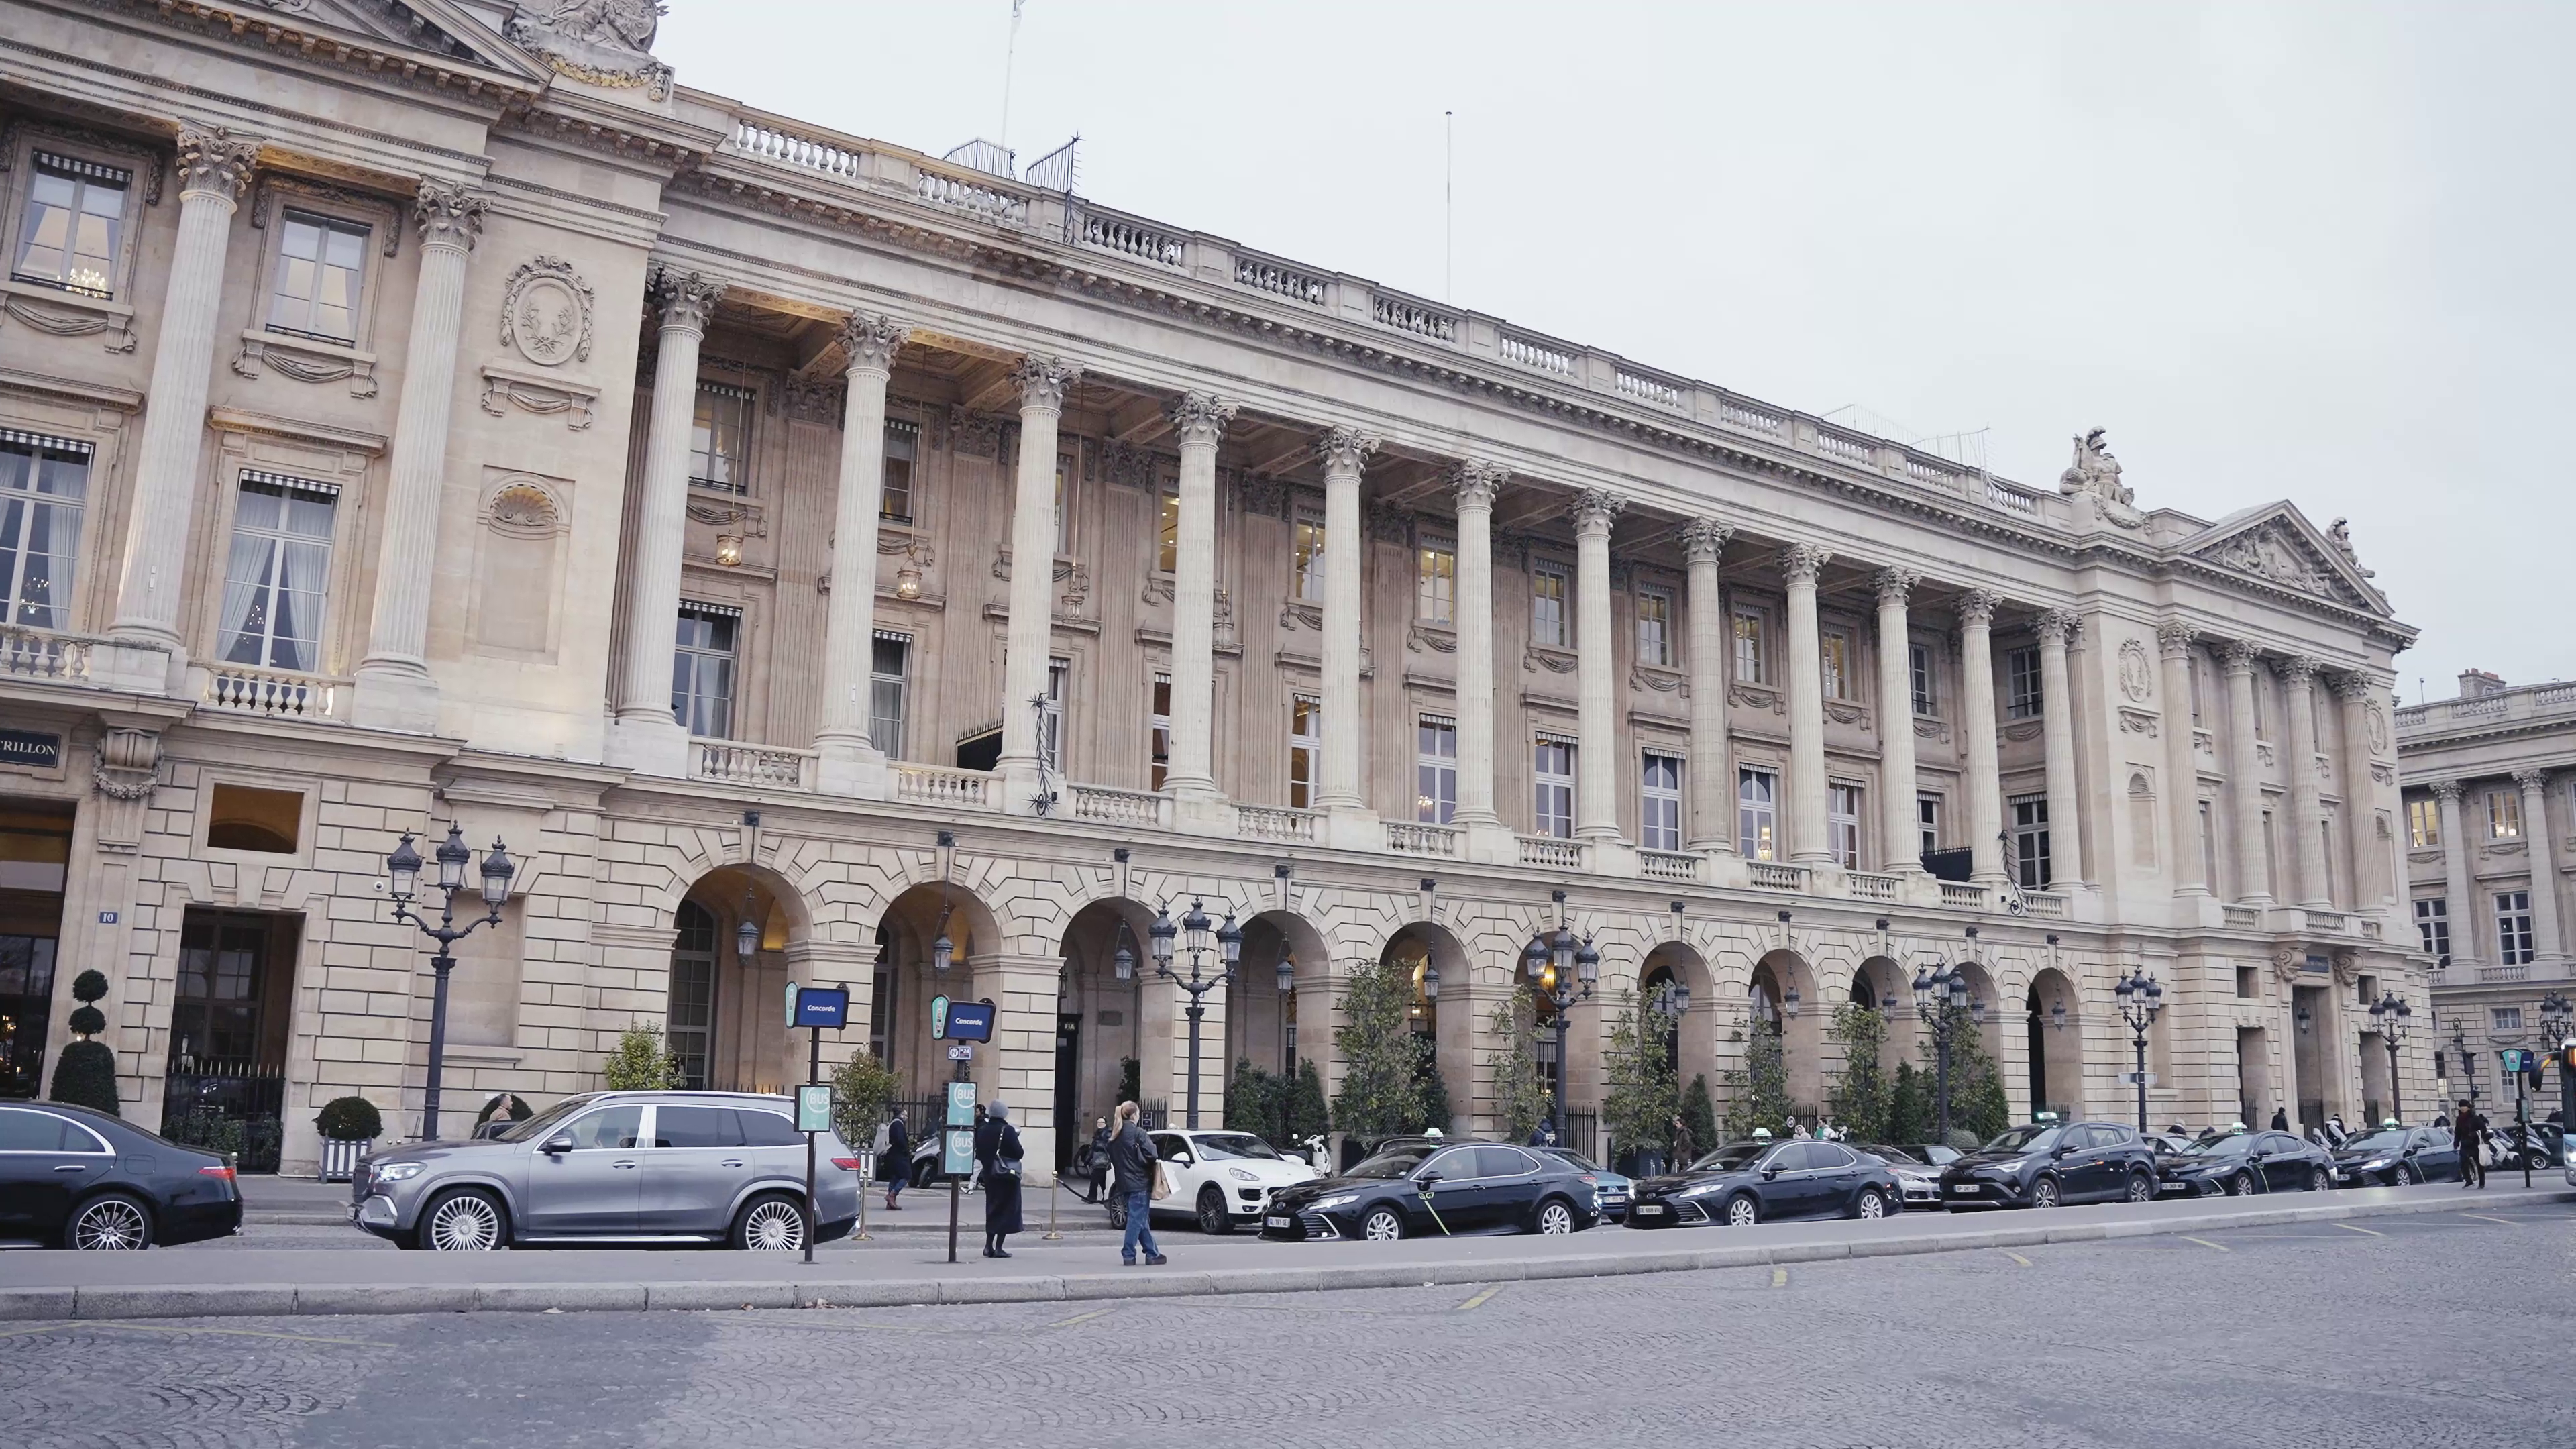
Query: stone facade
[{"x": 1036, "y": 567}]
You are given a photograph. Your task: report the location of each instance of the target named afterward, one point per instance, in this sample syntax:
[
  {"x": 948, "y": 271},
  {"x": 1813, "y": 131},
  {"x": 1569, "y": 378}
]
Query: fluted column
[
  {"x": 851, "y": 761},
  {"x": 1198, "y": 805},
  {"x": 645, "y": 736},
  {"x": 1899, "y": 851},
  {"x": 1474, "y": 485},
  {"x": 2182, "y": 765},
  {"x": 2543, "y": 849},
  {"x": 2245, "y": 777},
  {"x": 1977, "y": 719},
  {"x": 2057, "y": 745},
  {"x": 1345, "y": 451},
  {"x": 1596, "y": 804},
  {"x": 2374, "y": 881},
  {"x": 1042, "y": 382},
  {"x": 1807, "y": 842},
  {"x": 2468, "y": 923},
  {"x": 214, "y": 166},
  {"x": 1712, "y": 777},
  {"x": 2314, "y": 886},
  {"x": 394, "y": 690}
]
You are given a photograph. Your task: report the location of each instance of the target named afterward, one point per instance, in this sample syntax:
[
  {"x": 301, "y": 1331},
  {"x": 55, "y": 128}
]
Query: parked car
[
  {"x": 1219, "y": 1179},
  {"x": 1744, "y": 1183},
  {"x": 2541, "y": 1142},
  {"x": 71, "y": 1177},
  {"x": 2397, "y": 1156},
  {"x": 1918, "y": 1182},
  {"x": 1610, "y": 1190},
  {"x": 2244, "y": 1163},
  {"x": 1460, "y": 1188},
  {"x": 631, "y": 1167},
  {"x": 2045, "y": 1164}
]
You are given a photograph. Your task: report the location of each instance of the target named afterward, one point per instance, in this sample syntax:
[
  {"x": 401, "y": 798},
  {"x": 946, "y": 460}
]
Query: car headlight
[
  {"x": 1239, "y": 1175},
  {"x": 2374, "y": 1164},
  {"x": 1343, "y": 1200},
  {"x": 1700, "y": 1190},
  {"x": 397, "y": 1171}
]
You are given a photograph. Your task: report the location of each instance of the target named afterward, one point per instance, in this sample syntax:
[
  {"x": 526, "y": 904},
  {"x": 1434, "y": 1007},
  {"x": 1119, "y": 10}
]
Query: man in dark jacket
[
  {"x": 2469, "y": 1132},
  {"x": 1131, "y": 1157},
  {"x": 896, "y": 1169},
  {"x": 2280, "y": 1119}
]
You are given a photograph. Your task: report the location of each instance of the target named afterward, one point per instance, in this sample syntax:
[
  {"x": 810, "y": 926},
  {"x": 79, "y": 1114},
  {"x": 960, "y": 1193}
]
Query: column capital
[
  {"x": 2239, "y": 655},
  {"x": 1200, "y": 417},
  {"x": 2449, "y": 791},
  {"x": 447, "y": 214},
  {"x": 1345, "y": 450},
  {"x": 1894, "y": 583},
  {"x": 2174, "y": 638},
  {"x": 1042, "y": 381},
  {"x": 686, "y": 299},
  {"x": 871, "y": 340},
  {"x": 2058, "y": 626},
  {"x": 2353, "y": 688},
  {"x": 1977, "y": 608},
  {"x": 2298, "y": 671},
  {"x": 1803, "y": 561},
  {"x": 1475, "y": 483},
  {"x": 2531, "y": 780},
  {"x": 1596, "y": 506},
  {"x": 215, "y": 160},
  {"x": 1703, "y": 539}
]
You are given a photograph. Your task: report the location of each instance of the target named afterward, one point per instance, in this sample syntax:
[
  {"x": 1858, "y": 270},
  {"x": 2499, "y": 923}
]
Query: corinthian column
[
  {"x": 1345, "y": 451},
  {"x": 394, "y": 690},
  {"x": 2550, "y": 945},
  {"x": 1042, "y": 382},
  {"x": 2374, "y": 880},
  {"x": 214, "y": 165},
  {"x": 1596, "y": 804},
  {"x": 1807, "y": 842},
  {"x": 2182, "y": 765},
  {"x": 1197, "y": 803},
  {"x": 2314, "y": 886},
  {"x": 1977, "y": 718},
  {"x": 851, "y": 762},
  {"x": 646, "y": 737},
  {"x": 2468, "y": 923},
  {"x": 2057, "y": 726},
  {"x": 1475, "y": 484},
  {"x": 1898, "y": 846},
  {"x": 2245, "y": 778},
  {"x": 1712, "y": 780}
]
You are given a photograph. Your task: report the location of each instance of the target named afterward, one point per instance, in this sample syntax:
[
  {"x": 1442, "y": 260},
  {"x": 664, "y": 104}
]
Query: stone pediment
[
  {"x": 2278, "y": 545},
  {"x": 440, "y": 27}
]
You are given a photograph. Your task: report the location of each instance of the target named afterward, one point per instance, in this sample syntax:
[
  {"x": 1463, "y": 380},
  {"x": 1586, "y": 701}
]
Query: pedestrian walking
[
  {"x": 895, "y": 1164},
  {"x": 1095, "y": 1173},
  {"x": 1542, "y": 1135},
  {"x": 997, "y": 1157},
  {"x": 2280, "y": 1119},
  {"x": 1131, "y": 1157},
  {"x": 1684, "y": 1150},
  {"x": 2468, "y": 1132}
]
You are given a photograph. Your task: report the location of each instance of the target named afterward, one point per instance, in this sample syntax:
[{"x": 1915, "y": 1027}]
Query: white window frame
[
  {"x": 272, "y": 544},
  {"x": 2504, "y": 815},
  {"x": 1659, "y": 806},
  {"x": 1435, "y": 769},
  {"x": 1167, "y": 527},
  {"x": 61, "y": 575},
  {"x": 1748, "y": 643},
  {"x": 1306, "y": 545},
  {"x": 902, "y": 451},
  {"x": 1655, "y": 610},
  {"x": 1306, "y": 746},
  {"x": 1927, "y": 821},
  {"x": 1556, "y": 607},
  {"x": 2423, "y": 823},
  {"x": 886, "y": 727},
  {"x": 1757, "y": 812},
  {"x": 2029, "y": 817},
  {"x": 85, "y": 175},
  {"x": 1834, "y": 662},
  {"x": 734, "y": 476},
  {"x": 2025, "y": 695},
  {"x": 731, "y": 657},
  {"x": 2504, "y": 1018},
  {"x": 2513, "y": 928},
  {"x": 1051, "y": 717},
  {"x": 1158, "y": 729},
  {"x": 1435, "y": 577},
  {"x": 1552, "y": 790},
  {"x": 360, "y": 234},
  {"x": 1921, "y": 684},
  {"x": 2433, "y": 927},
  {"x": 1066, "y": 504},
  {"x": 1842, "y": 823}
]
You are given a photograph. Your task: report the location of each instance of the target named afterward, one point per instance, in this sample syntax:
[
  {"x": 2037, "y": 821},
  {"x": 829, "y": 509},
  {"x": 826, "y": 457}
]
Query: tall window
[
  {"x": 1158, "y": 729},
  {"x": 221, "y": 987},
  {"x": 1757, "y": 813},
  {"x": 2423, "y": 823},
  {"x": 1305, "y": 749},
  {"x": 2504, "y": 815},
  {"x": 2504, "y": 1018},
  {"x": 44, "y": 483},
  {"x": 2191, "y": 666},
  {"x": 2433, "y": 925},
  {"x": 2208, "y": 849},
  {"x": 2513, "y": 928},
  {"x": 1835, "y": 647},
  {"x": 719, "y": 434},
  {"x": 75, "y": 211},
  {"x": 1927, "y": 822},
  {"x": 321, "y": 263},
  {"x": 1167, "y": 532},
  {"x": 1063, "y": 506},
  {"x": 1552, "y": 803},
  {"x": 1750, "y": 658},
  {"x": 2022, "y": 697},
  {"x": 887, "y": 669},
  {"x": 902, "y": 451},
  {"x": 1842, "y": 824},
  {"x": 1435, "y": 579},
  {"x": 2271, "y": 859},
  {"x": 1435, "y": 770},
  {"x": 693, "y": 993},
  {"x": 1655, "y": 626},
  {"x": 1918, "y": 674},
  {"x": 1547, "y": 607},
  {"x": 1306, "y": 541},
  {"x": 2030, "y": 841},
  {"x": 1051, "y": 715},
  {"x": 279, "y": 570},
  {"x": 1660, "y": 815},
  {"x": 702, "y": 669}
]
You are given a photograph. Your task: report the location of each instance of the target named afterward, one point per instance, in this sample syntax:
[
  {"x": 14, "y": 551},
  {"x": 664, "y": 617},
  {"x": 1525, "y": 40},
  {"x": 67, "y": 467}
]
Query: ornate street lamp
[
  {"x": 402, "y": 874},
  {"x": 1227, "y": 940},
  {"x": 1939, "y": 990},
  {"x": 2557, "y": 1019},
  {"x": 1576, "y": 971},
  {"x": 2393, "y": 1016},
  {"x": 2140, "y": 1001}
]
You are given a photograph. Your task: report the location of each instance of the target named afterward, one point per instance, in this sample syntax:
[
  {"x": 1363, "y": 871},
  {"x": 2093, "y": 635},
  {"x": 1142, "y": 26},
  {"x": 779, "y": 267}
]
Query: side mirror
[
  {"x": 1428, "y": 1180},
  {"x": 2056, "y": 1152},
  {"x": 1769, "y": 1173},
  {"x": 557, "y": 1145}
]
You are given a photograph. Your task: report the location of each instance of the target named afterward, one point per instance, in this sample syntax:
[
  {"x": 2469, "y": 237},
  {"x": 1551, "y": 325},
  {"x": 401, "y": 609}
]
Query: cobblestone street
[{"x": 2420, "y": 1331}]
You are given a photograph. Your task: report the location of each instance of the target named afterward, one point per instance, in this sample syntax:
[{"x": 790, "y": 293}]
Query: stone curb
[{"x": 287, "y": 1300}]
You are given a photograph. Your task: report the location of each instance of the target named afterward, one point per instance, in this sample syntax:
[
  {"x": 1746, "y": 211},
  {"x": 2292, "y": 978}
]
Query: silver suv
[{"x": 631, "y": 1167}]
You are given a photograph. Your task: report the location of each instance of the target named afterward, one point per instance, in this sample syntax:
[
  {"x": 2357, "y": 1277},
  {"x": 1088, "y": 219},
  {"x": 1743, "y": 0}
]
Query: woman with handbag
[{"x": 998, "y": 1153}]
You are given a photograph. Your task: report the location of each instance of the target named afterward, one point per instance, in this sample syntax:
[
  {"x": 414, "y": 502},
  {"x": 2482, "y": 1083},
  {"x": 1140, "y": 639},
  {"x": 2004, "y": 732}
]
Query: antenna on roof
[
  {"x": 1449, "y": 206},
  {"x": 1010, "y": 54}
]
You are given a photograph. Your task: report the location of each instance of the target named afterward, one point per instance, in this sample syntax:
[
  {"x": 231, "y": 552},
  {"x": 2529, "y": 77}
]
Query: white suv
[{"x": 1220, "y": 1179}]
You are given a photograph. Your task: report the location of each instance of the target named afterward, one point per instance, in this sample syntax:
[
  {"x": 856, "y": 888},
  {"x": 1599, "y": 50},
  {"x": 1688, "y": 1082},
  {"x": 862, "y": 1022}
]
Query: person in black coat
[
  {"x": 1096, "y": 1168},
  {"x": 896, "y": 1169},
  {"x": 998, "y": 1153}
]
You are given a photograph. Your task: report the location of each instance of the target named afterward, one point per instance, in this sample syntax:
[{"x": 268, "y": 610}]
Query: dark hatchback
[
  {"x": 1744, "y": 1183},
  {"x": 2244, "y": 1163},
  {"x": 2397, "y": 1157},
  {"x": 74, "y": 1178},
  {"x": 1427, "y": 1189},
  {"x": 2045, "y": 1165}
]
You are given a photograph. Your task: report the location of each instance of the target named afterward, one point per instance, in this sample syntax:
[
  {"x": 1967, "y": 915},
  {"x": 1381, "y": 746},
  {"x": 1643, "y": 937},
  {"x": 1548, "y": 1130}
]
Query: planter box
[{"x": 340, "y": 1158}]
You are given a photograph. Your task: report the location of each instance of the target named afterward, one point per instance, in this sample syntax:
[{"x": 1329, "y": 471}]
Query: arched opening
[
  {"x": 909, "y": 972},
  {"x": 1283, "y": 956},
  {"x": 2056, "y": 1046},
  {"x": 729, "y": 954},
  {"x": 1782, "y": 995},
  {"x": 1113, "y": 1028},
  {"x": 1881, "y": 984},
  {"x": 1444, "y": 1019}
]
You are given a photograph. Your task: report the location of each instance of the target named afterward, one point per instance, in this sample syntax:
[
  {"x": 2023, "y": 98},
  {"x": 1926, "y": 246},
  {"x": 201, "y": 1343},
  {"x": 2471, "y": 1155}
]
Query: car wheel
[
  {"x": 1742, "y": 1211},
  {"x": 1213, "y": 1218},
  {"x": 2404, "y": 1176},
  {"x": 2142, "y": 1188},
  {"x": 111, "y": 1224},
  {"x": 2318, "y": 1181},
  {"x": 1870, "y": 1205},
  {"x": 2241, "y": 1185},
  {"x": 1382, "y": 1225},
  {"x": 2043, "y": 1193},
  {"x": 463, "y": 1222},
  {"x": 1555, "y": 1218},
  {"x": 770, "y": 1225}
]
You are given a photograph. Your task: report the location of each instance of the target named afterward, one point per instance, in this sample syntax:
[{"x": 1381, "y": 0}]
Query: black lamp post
[
  {"x": 1229, "y": 939},
  {"x": 1578, "y": 970},
  {"x": 1937, "y": 989},
  {"x": 2140, "y": 1000},
  {"x": 2557, "y": 1018},
  {"x": 402, "y": 871},
  {"x": 2391, "y": 1015}
]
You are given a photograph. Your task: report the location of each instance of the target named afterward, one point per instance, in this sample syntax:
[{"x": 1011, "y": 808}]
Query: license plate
[
  {"x": 1279, "y": 1222},
  {"x": 1650, "y": 1211},
  {"x": 1963, "y": 1187}
]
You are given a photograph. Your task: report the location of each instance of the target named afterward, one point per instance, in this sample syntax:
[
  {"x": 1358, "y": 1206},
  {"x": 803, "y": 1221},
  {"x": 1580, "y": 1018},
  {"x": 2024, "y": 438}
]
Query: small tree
[
  {"x": 1909, "y": 1118},
  {"x": 85, "y": 1073},
  {"x": 1860, "y": 1099},
  {"x": 863, "y": 1091},
  {"x": 1380, "y": 1093},
  {"x": 349, "y": 1119},
  {"x": 1306, "y": 1113},
  {"x": 1256, "y": 1100},
  {"x": 1638, "y": 1108},
  {"x": 641, "y": 1063},
  {"x": 1699, "y": 1113},
  {"x": 1521, "y": 1100},
  {"x": 1131, "y": 1080},
  {"x": 1431, "y": 1090},
  {"x": 1978, "y": 1107},
  {"x": 1760, "y": 1088}
]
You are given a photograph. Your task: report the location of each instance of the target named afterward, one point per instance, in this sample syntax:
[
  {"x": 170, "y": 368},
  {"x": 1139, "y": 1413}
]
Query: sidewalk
[{"x": 178, "y": 1283}]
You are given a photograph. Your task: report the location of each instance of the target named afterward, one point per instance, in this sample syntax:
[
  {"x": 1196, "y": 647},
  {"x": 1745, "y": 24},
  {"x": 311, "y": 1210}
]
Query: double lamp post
[{"x": 402, "y": 872}]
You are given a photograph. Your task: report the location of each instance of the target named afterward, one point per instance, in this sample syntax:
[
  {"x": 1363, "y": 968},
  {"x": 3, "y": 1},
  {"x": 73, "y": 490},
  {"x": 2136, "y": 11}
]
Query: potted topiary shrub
[
  {"x": 85, "y": 1074},
  {"x": 349, "y": 1128}
]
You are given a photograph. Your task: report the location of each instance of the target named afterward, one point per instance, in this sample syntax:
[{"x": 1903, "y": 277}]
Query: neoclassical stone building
[{"x": 435, "y": 413}]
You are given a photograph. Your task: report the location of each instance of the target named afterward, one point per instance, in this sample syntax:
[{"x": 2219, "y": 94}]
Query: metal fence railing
[{"x": 224, "y": 1105}]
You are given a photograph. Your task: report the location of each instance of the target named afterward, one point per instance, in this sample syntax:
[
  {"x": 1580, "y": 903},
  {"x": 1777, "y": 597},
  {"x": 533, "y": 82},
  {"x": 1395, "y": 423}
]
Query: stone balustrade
[
  {"x": 1405, "y": 837},
  {"x": 1274, "y": 822},
  {"x": 1136, "y": 809},
  {"x": 946, "y": 788},
  {"x": 44, "y": 654},
  {"x": 741, "y": 764},
  {"x": 274, "y": 693}
]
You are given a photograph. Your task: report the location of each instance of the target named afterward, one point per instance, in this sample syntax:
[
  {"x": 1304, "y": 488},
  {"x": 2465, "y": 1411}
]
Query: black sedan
[
  {"x": 2044, "y": 1164},
  {"x": 1744, "y": 1183},
  {"x": 1428, "y": 1189},
  {"x": 74, "y": 1178},
  {"x": 2244, "y": 1163},
  {"x": 2398, "y": 1157}
]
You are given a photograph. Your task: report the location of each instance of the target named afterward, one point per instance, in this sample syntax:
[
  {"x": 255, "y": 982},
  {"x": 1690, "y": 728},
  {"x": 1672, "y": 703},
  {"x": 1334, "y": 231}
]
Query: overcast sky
[{"x": 2319, "y": 252}]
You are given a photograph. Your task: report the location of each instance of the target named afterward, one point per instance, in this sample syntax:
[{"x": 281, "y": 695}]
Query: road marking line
[
  {"x": 2482, "y": 1217},
  {"x": 158, "y": 1328},
  {"x": 1083, "y": 1317},
  {"x": 1480, "y": 1299},
  {"x": 2206, "y": 1243},
  {"x": 1779, "y": 1277},
  {"x": 2349, "y": 1228},
  {"x": 2016, "y": 1257}
]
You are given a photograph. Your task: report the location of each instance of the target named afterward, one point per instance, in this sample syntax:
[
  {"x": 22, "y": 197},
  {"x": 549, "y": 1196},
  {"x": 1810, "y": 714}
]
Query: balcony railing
[
  {"x": 1136, "y": 809},
  {"x": 1672, "y": 865},
  {"x": 741, "y": 764},
  {"x": 2240, "y": 918},
  {"x": 1868, "y": 887},
  {"x": 43, "y": 654},
  {"x": 1551, "y": 853},
  {"x": 1275, "y": 822},
  {"x": 274, "y": 693},
  {"x": 946, "y": 788},
  {"x": 1406, "y": 837},
  {"x": 1771, "y": 875},
  {"x": 1963, "y": 893},
  {"x": 2040, "y": 903},
  {"x": 2488, "y": 974}
]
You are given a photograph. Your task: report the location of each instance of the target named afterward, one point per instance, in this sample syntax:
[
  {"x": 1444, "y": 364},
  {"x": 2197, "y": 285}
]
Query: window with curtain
[
  {"x": 75, "y": 212},
  {"x": 2030, "y": 841},
  {"x": 1307, "y": 558},
  {"x": 1547, "y": 607},
  {"x": 720, "y": 438},
  {"x": 887, "y": 669},
  {"x": 44, "y": 488},
  {"x": 1435, "y": 579},
  {"x": 1655, "y": 626},
  {"x": 1835, "y": 647},
  {"x": 1842, "y": 824},
  {"x": 2423, "y": 822},
  {"x": 1051, "y": 714},
  {"x": 1158, "y": 729},
  {"x": 2504, "y": 815},
  {"x": 1305, "y": 749},
  {"x": 321, "y": 264},
  {"x": 279, "y": 572},
  {"x": 1660, "y": 803},
  {"x": 1552, "y": 804},
  {"x": 1750, "y": 659},
  {"x": 702, "y": 668},
  {"x": 1757, "y": 818},
  {"x": 2022, "y": 696},
  {"x": 1918, "y": 671},
  {"x": 902, "y": 450},
  {"x": 1435, "y": 770},
  {"x": 1167, "y": 532}
]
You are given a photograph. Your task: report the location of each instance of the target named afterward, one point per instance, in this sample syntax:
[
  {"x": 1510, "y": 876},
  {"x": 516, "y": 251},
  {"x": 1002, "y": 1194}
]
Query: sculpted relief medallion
[
  {"x": 545, "y": 313},
  {"x": 2137, "y": 678}
]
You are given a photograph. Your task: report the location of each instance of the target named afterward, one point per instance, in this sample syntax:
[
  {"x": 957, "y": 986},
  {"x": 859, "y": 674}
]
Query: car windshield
[
  {"x": 1398, "y": 1163},
  {"x": 2376, "y": 1142},
  {"x": 1892, "y": 1154},
  {"x": 1571, "y": 1158},
  {"x": 546, "y": 1121},
  {"x": 1221, "y": 1145},
  {"x": 1936, "y": 1154},
  {"x": 2030, "y": 1137},
  {"x": 2229, "y": 1146},
  {"x": 1732, "y": 1157}
]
